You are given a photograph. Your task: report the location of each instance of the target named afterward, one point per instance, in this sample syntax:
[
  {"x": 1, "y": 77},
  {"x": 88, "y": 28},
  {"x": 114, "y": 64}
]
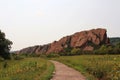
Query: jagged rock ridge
[{"x": 84, "y": 40}]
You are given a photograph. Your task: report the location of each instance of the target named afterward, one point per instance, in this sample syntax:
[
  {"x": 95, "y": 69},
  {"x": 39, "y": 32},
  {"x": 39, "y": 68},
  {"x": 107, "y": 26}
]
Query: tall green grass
[
  {"x": 101, "y": 67},
  {"x": 26, "y": 69}
]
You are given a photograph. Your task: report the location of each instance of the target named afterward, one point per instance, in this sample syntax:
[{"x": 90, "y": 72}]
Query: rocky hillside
[{"x": 85, "y": 40}]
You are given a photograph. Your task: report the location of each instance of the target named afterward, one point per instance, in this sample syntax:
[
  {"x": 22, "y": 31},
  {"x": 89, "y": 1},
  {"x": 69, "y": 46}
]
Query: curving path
[{"x": 63, "y": 72}]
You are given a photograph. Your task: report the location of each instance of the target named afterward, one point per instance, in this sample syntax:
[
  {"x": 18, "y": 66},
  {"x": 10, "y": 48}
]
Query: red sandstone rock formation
[{"x": 84, "y": 40}]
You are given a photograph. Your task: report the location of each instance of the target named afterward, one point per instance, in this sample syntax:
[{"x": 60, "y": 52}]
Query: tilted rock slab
[{"x": 83, "y": 40}]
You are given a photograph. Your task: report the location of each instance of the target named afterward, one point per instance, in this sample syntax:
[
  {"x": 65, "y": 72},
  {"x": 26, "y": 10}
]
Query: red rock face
[
  {"x": 84, "y": 40},
  {"x": 58, "y": 46}
]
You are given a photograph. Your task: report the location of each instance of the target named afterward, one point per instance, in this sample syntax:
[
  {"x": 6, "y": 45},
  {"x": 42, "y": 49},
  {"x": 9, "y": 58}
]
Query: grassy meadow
[
  {"x": 26, "y": 69},
  {"x": 94, "y": 67}
]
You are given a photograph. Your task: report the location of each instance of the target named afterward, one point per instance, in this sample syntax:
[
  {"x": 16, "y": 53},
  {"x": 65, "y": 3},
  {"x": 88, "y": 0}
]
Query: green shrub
[
  {"x": 75, "y": 51},
  {"x": 52, "y": 55},
  {"x": 18, "y": 57}
]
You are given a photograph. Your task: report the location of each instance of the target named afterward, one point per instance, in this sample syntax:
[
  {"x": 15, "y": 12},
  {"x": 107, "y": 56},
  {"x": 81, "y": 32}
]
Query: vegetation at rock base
[
  {"x": 102, "y": 50},
  {"x": 95, "y": 67},
  {"x": 5, "y": 46},
  {"x": 26, "y": 69}
]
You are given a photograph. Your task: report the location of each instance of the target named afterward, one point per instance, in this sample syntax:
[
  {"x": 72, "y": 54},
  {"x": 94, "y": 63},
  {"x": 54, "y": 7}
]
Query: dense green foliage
[
  {"x": 5, "y": 46},
  {"x": 26, "y": 69},
  {"x": 52, "y": 55},
  {"x": 75, "y": 51},
  {"x": 102, "y": 67}
]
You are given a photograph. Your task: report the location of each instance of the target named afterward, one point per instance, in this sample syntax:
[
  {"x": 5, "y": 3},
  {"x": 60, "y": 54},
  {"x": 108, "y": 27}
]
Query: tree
[
  {"x": 66, "y": 51},
  {"x": 117, "y": 48},
  {"x": 75, "y": 51},
  {"x": 118, "y": 45},
  {"x": 5, "y": 46},
  {"x": 103, "y": 49}
]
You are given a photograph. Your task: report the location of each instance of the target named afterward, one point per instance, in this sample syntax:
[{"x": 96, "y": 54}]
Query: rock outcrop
[{"x": 85, "y": 40}]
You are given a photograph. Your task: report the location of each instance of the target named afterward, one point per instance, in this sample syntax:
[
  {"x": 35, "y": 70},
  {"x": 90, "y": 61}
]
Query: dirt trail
[{"x": 63, "y": 72}]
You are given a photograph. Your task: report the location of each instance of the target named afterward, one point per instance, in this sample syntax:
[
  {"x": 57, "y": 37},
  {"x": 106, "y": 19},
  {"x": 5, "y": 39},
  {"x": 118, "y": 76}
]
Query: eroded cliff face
[{"x": 85, "y": 40}]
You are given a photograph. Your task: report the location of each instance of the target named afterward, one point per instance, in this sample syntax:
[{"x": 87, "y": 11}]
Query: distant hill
[{"x": 114, "y": 40}]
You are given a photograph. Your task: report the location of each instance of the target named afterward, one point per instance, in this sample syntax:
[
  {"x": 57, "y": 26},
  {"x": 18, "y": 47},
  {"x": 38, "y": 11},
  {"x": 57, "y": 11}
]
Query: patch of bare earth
[{"x": 63, "y": 72}]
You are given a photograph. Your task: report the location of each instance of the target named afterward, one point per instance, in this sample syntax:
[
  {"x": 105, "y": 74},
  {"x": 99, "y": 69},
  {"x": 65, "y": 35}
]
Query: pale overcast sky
[{"x": 35, "y": 22}]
